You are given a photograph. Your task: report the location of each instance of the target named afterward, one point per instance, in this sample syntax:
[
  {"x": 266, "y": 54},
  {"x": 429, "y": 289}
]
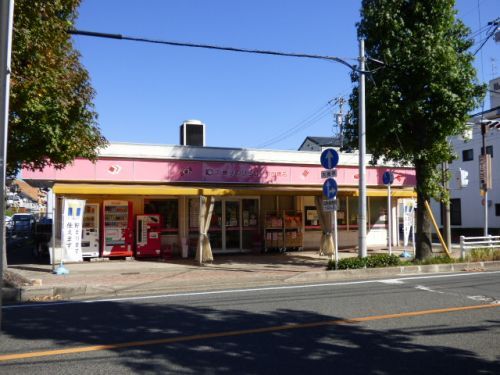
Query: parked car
[{"x": 23, "y": 223}]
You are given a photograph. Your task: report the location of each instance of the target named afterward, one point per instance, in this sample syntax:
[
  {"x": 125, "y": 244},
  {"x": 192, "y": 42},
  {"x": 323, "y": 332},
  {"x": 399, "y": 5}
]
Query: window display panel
[
  {"x": 250, "y": 214},
  {"x": 311, "y": 218}
]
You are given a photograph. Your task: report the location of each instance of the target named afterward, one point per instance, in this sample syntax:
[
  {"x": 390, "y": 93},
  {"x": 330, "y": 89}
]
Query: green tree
[
  {"x": 421, "y": 95},
  {"x": 51, "y": 118}
]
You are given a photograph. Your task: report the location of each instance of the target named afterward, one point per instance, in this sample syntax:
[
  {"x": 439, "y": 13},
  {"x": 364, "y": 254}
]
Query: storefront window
[
  {"x": 168, "y": 209},
  {"x": 234, "y": 224},
  {"x": 378, "y": 212},
  {"x": 353, "y": 212},
  {"x": 342, "y": 211},
  {"x": 250, "y": 215},
  {"x": 215, "y": 229}
]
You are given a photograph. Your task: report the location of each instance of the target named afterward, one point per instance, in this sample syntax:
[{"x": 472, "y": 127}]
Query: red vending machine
[
  {"x": 117, "y": 224},
  {"x": 147, "y": 235}
]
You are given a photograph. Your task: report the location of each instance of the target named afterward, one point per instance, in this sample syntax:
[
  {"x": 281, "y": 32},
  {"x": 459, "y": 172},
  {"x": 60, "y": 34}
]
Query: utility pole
[
  {"x": 362, "y": 151},
  {"x": 446, "y": 207},
  {"x": 6, "y": 18},
  {"x": 340, "y": 120},
  {"x": 484, "y": 162}
]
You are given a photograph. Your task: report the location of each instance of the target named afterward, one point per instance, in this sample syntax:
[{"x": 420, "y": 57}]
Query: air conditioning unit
[{"x": 192, "y": 133}]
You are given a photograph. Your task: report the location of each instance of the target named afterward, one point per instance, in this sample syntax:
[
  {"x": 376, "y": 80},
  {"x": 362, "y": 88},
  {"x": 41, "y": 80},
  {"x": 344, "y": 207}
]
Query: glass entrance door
[
  {"x": 232, "y": 224},
  {"x": 215, "y": 232}
]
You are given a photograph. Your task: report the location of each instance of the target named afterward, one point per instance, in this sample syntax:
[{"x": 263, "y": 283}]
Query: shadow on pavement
[
  {"x": 20, "y": 251},
  {"x": 341, "y": 348}
]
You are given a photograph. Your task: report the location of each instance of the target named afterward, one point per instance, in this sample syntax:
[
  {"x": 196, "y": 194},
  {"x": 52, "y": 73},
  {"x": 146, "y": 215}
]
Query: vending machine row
[{"x": 114, "y": 225}]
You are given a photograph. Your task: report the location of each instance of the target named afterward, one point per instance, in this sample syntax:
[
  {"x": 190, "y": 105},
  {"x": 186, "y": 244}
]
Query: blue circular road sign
[
  {"x": 329, "y": 158},
  {"x": 388, "y": 178},
  {"x": 330, "y": 188}
]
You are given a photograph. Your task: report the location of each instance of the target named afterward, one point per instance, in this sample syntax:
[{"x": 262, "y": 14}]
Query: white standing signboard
[
  {"x": 71, "y": 236},
  {"x": 408, "y": 221}
]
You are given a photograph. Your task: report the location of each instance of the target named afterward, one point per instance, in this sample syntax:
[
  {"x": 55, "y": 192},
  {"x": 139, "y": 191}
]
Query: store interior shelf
[{"x": 283, "y": 231}]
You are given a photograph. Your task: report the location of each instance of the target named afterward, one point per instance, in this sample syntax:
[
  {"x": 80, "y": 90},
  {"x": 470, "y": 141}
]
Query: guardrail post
[
  {"x": 462, "y": 247},
  {"x": 490, "y": 244}
]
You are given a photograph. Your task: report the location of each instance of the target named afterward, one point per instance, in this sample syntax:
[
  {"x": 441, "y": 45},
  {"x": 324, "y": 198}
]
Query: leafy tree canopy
[
  {"x": 425, "y": 90},
  {"x": 421, "y": 95},
  {"x": 51, "y": 118}
]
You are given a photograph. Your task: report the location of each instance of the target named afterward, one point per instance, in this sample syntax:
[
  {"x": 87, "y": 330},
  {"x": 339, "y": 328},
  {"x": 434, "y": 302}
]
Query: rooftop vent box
[{"x": 192, "y": 133}]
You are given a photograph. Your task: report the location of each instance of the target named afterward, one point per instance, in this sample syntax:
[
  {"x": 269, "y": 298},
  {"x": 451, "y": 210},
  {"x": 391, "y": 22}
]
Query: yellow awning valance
[
  {"x": 126, "y": 189},
  {"x": 395, "y": 192},
  {"x": 110, "y": 189},
  {"x": 165, "y": 190}
]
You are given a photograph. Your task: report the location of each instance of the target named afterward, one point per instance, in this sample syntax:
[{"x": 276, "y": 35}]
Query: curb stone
[{"x": 395, "y": 271}]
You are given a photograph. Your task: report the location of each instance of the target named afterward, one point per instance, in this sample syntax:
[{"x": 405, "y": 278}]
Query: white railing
[{"x": 468, "y": 243}]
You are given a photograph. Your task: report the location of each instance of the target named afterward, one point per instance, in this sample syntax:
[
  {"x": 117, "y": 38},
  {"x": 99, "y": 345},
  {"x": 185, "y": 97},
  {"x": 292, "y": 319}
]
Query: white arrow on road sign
[
  {"x": 330, "y": 188},
  {"x": 329, "y": 158}
]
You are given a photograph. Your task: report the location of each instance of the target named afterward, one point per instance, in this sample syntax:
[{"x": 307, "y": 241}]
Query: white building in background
[{"x": 466, "y": 204}]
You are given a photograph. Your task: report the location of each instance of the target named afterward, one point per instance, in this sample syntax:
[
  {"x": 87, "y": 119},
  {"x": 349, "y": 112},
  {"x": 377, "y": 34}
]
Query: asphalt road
[{"x": 434, "y": 324}]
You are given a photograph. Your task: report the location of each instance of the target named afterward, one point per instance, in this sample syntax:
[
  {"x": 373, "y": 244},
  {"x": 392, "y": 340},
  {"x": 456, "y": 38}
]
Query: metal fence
[{"x": 468, "y": 243}]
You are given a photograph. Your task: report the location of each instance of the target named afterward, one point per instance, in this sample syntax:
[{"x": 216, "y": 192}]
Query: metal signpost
[
  {"x": 6, "y": 21},
  {"x": 329, "y": 160},
  {"x": 388, "y": 179}
]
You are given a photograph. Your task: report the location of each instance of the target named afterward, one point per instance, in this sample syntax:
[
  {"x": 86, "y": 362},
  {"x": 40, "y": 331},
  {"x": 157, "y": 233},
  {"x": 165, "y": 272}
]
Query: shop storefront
[{"x": 259, "y": 200}]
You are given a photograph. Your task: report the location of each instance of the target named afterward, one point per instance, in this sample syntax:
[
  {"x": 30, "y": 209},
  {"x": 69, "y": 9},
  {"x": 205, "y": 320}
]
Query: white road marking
[
  {"x": 427, "y": 289},
  {"x": 482, "y": 299},
  {"x": 250, "y": 290},
  {"x": 391, "y": 281}
]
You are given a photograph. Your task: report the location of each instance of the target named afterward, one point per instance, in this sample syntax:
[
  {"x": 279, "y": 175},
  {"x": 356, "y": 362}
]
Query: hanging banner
[
  {"x": 408, "y": 220},
  {"x": 71, "y": 235}
]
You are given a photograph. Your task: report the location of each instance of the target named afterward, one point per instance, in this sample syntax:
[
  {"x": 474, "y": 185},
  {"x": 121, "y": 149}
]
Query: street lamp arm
[{"x": 220, "y": 48}]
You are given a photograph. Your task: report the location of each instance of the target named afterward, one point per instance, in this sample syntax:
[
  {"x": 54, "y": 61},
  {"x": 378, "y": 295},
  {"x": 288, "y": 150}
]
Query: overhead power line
[
  {"x": 493, "y": 28},
  {"x": 304, "y": 124},
  {"x": 214, "y": 47}
]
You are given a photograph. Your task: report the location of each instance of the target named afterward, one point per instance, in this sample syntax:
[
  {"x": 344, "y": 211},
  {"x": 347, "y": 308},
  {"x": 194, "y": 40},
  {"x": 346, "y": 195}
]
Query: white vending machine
[
  {"x": 90, "y": 231},
  {"x": 117, "y": 229}
]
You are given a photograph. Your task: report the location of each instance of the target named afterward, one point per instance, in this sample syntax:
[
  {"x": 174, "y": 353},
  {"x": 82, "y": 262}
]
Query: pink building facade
[{"x": 264, "y": 200}]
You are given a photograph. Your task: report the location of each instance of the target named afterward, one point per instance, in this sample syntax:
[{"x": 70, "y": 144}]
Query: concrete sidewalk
[{"x": 121, "y": 278}]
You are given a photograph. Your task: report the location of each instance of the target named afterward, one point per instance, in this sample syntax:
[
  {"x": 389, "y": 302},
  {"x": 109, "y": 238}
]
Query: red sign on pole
[{"x": 485, "y": 178}]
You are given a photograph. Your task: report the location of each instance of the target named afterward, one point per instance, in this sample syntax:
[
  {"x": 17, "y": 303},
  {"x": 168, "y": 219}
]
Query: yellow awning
[
  {"x": 129, "y": 189},
  {"x": 395, "y": 192},
  {"x": 110, "y": 189},
  {"x": 126, "y": 189}
]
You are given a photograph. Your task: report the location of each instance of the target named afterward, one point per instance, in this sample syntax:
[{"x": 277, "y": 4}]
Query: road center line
[{"x": 179, "y": 339}]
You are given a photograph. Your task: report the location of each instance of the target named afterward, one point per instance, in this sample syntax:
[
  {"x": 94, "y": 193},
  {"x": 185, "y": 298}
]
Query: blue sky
[{"x": 145, "y": 91}]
